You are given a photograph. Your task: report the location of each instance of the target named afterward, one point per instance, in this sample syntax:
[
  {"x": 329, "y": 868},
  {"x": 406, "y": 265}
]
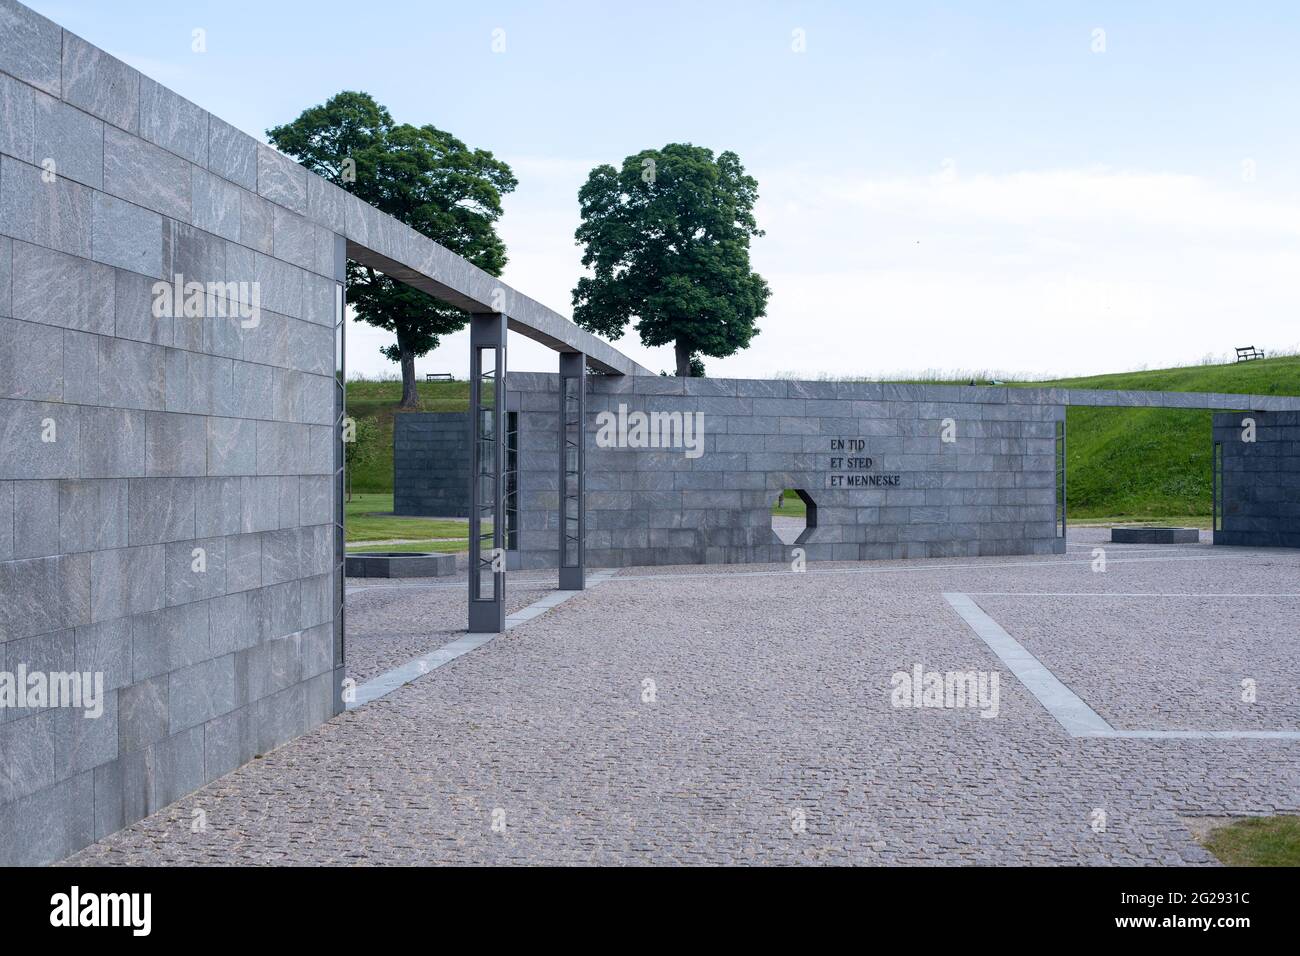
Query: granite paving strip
[
  {"x": 392, "y": 623},
  {"x": 1070, "y": 711}
]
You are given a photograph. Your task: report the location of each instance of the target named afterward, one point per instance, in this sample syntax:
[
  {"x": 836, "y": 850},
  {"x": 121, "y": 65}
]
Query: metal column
[
  {"x": 487, "y": 403},
  {"x": 337, "y": 578},
  {"x": 573, "y": 467}
]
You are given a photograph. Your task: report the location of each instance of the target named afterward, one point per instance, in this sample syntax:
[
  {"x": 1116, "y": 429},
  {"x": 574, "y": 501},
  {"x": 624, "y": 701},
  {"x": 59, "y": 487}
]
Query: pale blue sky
[{"x": 944, "y": 185}]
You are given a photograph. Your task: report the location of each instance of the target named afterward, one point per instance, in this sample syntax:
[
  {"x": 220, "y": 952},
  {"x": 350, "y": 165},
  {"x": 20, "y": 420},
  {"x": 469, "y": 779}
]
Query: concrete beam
[{"x": 423, "y": 264}]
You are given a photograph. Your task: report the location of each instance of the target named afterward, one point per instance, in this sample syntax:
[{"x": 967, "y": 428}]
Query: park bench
[
  {"x": 438, "y": 377},
  {"x": 1248, "y": 353}
]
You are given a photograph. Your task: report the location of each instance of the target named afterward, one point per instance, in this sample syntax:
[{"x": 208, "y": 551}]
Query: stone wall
[
  {"x": 165, "y": 483},
  {"x": 873, "y": 458},
  {"x": 1261, "y": 479},
  {"x": 431, "y": 464}
]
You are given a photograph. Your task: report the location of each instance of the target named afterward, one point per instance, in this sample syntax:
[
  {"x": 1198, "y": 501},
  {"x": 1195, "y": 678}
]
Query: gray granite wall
[
  {"x": 431, "y": 464},
  {"x": 872, "y": 457},
  {"x": 1261, "y": 479},
  {"x": 165, "y": 482}
]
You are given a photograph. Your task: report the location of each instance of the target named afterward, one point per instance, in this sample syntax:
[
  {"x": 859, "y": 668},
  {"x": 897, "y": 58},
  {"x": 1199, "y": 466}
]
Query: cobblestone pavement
[
  {"x": 770, "y": 736},
  {"x": 389, "y": 622}
]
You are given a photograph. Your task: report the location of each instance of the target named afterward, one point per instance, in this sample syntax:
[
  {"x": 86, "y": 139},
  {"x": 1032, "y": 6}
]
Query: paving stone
[{"x": 550, "y": 726}]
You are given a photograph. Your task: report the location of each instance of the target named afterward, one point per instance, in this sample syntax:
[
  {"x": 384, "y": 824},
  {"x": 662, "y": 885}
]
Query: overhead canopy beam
[{"x": 420, "y": 262}]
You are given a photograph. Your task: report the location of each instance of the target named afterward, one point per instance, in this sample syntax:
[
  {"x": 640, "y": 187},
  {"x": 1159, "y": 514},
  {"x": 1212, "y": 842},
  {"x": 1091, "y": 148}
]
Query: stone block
[
  {"x": 232, "y": 154},
  {"x": 160, "y": 510},
  {"x": 198, "y": 256},
  {"x": 282, "y": 448},
  {"x": 31, "y": 47},
  {"x": 39, "y": 440},
  {"x": 257, "y": 222},
  {"x": 53, "y": 652},
  {"x": 227, "y": 743},
  {"x": 259, "y": 504},
  {"x": 126, "y": 581},
  {"x": 6, "y": 276},
  {"x": 68, "y": 142},
  {"x": 198, "y": 693},
  {"x": 31, "y": 361},
  {"x": 105, "y": 649},
  {"x": 195, "y": 570},
  {"x": 243, "y": 562},
  {"x": 179, "y": 765},
  {"x": 215, "y": 204},
  {"x": 44, "y": 827},
  {"x": 100, "y": 84},
  {"x": 176, "y": 445},
  {"x": 281, "y": 180},
  {"x": 134, "y": 309},
  {"x": 232, "y": 446},
  {"x": 281, "y": 287},
  {"x": 173, "y": 122},
  {"x": 36, "y": 519},
  {"x": 56, "y": 215},
  {"x": 217, "y": 507},
  {"x": 84, "y": 741},
  {"x": 134, "y": 374},
  {"x": 129, "y": 237},
  {"x": 168, "y": 638},
  {"x": 62, "y": 290}
]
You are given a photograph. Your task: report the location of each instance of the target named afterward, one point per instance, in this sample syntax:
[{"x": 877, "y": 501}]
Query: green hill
[
  {"x": 1135, "y": 464},
  {"x": 1154, "y": 463},
  {"x": 379, "y": 401}
]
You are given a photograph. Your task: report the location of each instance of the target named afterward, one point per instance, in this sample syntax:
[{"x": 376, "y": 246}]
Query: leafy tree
[
  {"x": 422, "y": 176},
  {"x": 667, "y": 238},
  {"x": 697, "y": 368}
]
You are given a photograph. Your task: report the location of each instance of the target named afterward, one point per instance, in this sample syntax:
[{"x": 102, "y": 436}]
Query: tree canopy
[
  {"x": 420, "y": 175},
  {"x": 667, "y": 240}
]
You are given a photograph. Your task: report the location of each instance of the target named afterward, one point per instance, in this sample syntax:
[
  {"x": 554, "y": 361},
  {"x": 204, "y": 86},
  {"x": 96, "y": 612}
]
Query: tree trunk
[
  {"x": 410, "y": 394},
  {"x": 683, "y": 359}
]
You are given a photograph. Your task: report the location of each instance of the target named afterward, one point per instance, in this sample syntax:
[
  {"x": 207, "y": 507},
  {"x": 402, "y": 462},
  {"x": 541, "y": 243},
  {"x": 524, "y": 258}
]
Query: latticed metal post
[
  {"x": 573, "y": 464},
  {"x": 337, "y": 578},
  {"x": 487, "y": 545}
]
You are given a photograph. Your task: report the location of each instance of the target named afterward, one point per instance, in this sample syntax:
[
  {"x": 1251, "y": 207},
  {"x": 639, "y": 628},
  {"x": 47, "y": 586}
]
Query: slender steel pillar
[
  {"x": 487, "y": 403},
  {"x": 573, "y": 469},
  {"x": 337, "y": 579}
]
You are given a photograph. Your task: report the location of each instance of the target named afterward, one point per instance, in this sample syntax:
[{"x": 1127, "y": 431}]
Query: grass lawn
[
  {"x": 370, "y": 518},
  {"x": 1156, "y": 521},
  {"x": 1259, "y": 841},
  {"x": 792, "y": 506},
  {"x": 412, "y": 546}
]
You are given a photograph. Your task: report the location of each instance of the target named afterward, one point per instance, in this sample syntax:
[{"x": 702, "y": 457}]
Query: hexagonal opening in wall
[{"x": 794, "y": 516}]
